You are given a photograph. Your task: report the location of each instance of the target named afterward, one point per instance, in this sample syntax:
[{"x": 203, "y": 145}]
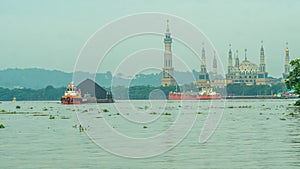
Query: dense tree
[{"x": 293, "y": 80}]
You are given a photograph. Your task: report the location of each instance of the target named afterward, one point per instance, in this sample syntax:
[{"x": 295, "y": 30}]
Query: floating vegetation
[
  {"x": 292, "y": 114},
  {"x": 199, "y": 112},
  {"x": 5, "y": 112},
  {"x": 267, "y": 108},
  {"x": 33, "y": 113},
  {"x": 105, "y": 110},
  {"x": 153, "y": 113},
  {"x": 267, "y": 118},
  {"x": 260, "y": 113},
  {"x": 84, "y": 111},
  {"x": 39, "y": 114},
  {"x": 75, "y": 126},
  {"x": 2, "y": 126},
  {"x": 145, "y": 127},
  {"x": 246, "y": 106},
  {"x": 30, "y": 107},
  {"x": 64, "y": 117},
  {"x": 168, "y": 114},
  {"x": 18, "y": 107},
  {"x": 282, "y": 119},
  {"x": 81, "y": 128},
  {"x": 118, "y": 114},
  {"x": 45, "y": 109},
  {"x": 179, "y": 106},
  {"x": 109, "y": 115},
  {"x": 51, "y": 117}
]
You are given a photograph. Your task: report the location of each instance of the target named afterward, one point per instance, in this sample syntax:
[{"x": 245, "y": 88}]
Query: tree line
[{"x": 139, "y": 92}]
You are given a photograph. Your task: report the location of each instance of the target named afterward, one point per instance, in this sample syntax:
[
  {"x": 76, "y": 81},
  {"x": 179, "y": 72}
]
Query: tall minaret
[
  {"x": 287, "y": 62},
  {"x": 230, "y": 60},
  {"x": 287, "y": 59},
  {"x": 262, "y": 75},
  {"x": 168, "y": 70},
  {"x": 215, "y": 66},
  {"x": 203, "y": 80},
  {"x": 203, "y": 60},
  {"x": 262, "y": 65},
  {"x": 237, "y": 60}
]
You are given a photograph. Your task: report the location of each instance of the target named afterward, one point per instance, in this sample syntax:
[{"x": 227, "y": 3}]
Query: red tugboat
[
  {"x": 205, "y": 94},
  {"x": 72, "y": 95}
]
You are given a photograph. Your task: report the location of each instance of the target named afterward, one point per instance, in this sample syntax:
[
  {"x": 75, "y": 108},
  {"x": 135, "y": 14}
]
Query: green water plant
[
  {"x": 81, "y": 128},
  {"x": 145, "y": 127},
  {"x": 18, "y": 107},
  {"x": 51, "y": 117},
  {"x": 64, "y": 117},
  {"x": 168, "y": 114},
  {"x": 105, "y": 110},
  {"x": 153, "y": 113},
  {"x": 2, "y": 126}
]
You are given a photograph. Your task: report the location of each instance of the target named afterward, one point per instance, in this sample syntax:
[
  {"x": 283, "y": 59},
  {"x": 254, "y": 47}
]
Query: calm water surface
[{"x": 251, "y": 134}]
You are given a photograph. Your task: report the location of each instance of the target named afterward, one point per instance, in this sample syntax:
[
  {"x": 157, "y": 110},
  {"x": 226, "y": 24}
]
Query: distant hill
[{"x": 36, "y": 78}]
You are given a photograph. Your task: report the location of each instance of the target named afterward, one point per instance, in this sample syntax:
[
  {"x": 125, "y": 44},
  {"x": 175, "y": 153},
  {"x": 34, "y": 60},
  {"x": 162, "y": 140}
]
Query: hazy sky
[{"x": 50, "y": 34}]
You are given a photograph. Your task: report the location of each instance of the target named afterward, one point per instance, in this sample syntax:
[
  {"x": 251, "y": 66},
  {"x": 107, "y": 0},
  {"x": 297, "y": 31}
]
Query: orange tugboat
[{"x": 72, "y": 95}]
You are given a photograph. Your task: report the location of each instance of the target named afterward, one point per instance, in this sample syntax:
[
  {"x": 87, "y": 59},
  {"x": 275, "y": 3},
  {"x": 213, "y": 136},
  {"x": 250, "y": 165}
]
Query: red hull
[
  {"x": 209, "y": 97},
  {"x": 181, "y": 96}
]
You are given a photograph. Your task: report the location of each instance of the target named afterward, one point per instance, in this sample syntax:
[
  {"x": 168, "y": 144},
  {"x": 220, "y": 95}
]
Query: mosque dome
[{"x": 248, "y": 67}]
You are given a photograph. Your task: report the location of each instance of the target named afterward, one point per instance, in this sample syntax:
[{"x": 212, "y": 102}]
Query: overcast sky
[{"x": 50, "y": 34}]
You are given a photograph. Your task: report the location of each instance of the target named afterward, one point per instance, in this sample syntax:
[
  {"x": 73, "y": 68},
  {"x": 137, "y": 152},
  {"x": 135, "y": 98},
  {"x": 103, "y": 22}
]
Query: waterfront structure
[{"x": 168, "y": 70}]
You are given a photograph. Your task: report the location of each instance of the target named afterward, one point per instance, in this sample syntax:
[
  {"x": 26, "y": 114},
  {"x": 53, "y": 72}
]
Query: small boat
[
  {"x": 72, "y": 95},
  {"x": 208, "y": 94},
  {"x": 204, "y": 94}
]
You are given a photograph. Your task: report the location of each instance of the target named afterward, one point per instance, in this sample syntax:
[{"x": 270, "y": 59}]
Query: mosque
[{"x": 244, "y": 72}]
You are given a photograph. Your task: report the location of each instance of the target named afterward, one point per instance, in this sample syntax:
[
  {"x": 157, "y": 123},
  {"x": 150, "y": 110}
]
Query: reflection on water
[{"x": 252, "y": 134}]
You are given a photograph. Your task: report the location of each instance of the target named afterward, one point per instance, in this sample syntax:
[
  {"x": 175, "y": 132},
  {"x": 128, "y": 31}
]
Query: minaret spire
[
  {"x": 203, "y": 58},
  {"x": 168, "y": 27},
  {"x": 215, "y": 66},
  {"x": 230, "y": 56}
]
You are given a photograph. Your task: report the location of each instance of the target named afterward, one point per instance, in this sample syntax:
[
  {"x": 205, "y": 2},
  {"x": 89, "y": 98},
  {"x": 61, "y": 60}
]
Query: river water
[{"x": 250, "y": 134}]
